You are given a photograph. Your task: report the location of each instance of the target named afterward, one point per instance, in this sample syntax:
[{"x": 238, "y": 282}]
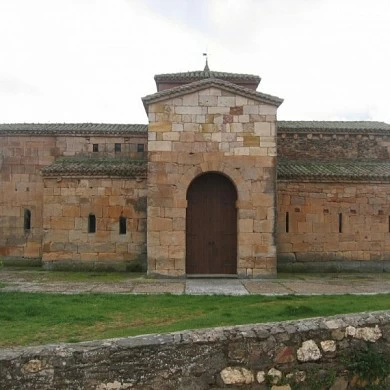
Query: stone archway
[{"x": 211, "y": 226}]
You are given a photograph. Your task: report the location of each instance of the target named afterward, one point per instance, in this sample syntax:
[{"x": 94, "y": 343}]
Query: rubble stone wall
[
  {"x": 312, "y": 232},
  {"x": 21, "y": 160},
  {"x": 211, "y": 131},
  {"x": 68, "y": 204},
  {"x": 22, "y": 188},
  {"x": 341, "y": 352},
  {"x": 312, "y": 146}
]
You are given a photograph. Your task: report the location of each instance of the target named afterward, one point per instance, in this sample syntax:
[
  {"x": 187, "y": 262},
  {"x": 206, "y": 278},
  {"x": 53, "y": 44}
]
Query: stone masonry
[
  {"x": 342, "y": 352},
  {"x": 311, "y": 195},
  {"x": 212, "y": 129}
]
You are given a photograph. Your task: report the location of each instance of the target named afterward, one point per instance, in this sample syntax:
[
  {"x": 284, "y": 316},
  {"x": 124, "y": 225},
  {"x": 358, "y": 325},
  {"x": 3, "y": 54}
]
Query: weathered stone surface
[
  {"x": 32, "y": 366},
  {"x": 285, "y": 355},
  {"x": 366, "y": 333},
  {"x": 237, "y": 376},
  {"x": 328, "y": 345},
  {"x": 260, "y": 376},
  {"x": 309, "y": 351},
  {"x": 274, "y": 375}
]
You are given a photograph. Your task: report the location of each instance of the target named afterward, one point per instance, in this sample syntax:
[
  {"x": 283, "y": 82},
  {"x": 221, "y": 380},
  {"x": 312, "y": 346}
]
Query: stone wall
[
  {"x": 22, "y": 188},
  {"x": 211, "y": 131},
  {"x": 312, "y": 146},
  {"x": 21, "y": 159},
  {"x": 68, "y": 204},
  {"x": 342, "y": 352},
  {"x": 315, "y": 213}
]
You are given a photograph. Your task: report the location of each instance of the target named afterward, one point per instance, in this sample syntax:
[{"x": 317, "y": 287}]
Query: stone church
[{"x": 213, "y": 185}]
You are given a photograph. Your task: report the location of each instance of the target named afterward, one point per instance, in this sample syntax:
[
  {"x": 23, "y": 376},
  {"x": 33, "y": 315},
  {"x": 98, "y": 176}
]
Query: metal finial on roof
[{"x": 206, "y": 67}]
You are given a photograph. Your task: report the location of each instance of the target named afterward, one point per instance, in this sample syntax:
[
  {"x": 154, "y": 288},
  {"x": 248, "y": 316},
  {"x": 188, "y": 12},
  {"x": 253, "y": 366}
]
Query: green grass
[{"x": 27, "y": 319}]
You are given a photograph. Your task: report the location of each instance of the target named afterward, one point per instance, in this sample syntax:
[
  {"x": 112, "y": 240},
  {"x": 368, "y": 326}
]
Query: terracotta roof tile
[
  {"x": 71, "y": 129},
  {"x": 204, "y": 74},
  {"x": 334, "y": 171},
  {"x": 84, "y": 166},
  {"x": 333, "y": 126}
]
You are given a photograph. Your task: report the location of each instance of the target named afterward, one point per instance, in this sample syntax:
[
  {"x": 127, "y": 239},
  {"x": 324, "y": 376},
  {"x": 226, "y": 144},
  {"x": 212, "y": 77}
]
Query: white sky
[{"x": 93, "y": 60}]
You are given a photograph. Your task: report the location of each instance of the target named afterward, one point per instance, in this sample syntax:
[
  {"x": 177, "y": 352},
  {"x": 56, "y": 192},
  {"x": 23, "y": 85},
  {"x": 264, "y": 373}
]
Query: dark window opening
[
  {"x": 122, "y": 225},
  {"x": 118, "y": 148},
  {"x": 340, "y": 223},
  {"x": 140, "y": 147},
  {"x": 389, "y": 223},
  {"x": 27, "y": 219},
  {"x": 287, "y": 222},
  {"x": 91, "y": 223},
  {"x": 95, "y": 147}
]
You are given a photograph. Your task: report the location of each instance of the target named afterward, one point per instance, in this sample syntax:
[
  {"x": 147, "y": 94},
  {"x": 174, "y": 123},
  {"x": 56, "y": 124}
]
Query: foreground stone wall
[
  {"x": 68, "y": 204},
  {"x": 315, "y": 213},
  {"x": 342, "y": 352},
  {"x": 211, "y": 131}
]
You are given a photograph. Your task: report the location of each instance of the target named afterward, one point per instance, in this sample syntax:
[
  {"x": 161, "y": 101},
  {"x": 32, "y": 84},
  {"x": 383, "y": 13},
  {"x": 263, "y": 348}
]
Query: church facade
[{"x": 213, "y": 185}]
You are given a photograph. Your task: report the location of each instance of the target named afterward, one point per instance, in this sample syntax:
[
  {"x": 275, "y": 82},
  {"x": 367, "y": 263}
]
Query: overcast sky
[{"x": 93, "y": 60}]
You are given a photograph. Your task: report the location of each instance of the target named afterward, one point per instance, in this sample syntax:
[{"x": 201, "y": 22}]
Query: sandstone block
[
  {"x": 171, "y": 136},
  {"x": 160, "y": 146},
  {"x": 172, "y": 238},
  {"x": 208, "y": 100},
  {"x": 159, "y": 224},
  {"x": 262, "y": 129},
  {"x": 237, "y": 110},
  {"x": 251, "y": 109},
  {"x": 160, "y": 126}
]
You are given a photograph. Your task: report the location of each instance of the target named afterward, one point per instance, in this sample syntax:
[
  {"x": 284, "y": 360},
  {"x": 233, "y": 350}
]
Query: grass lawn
[{"x": 27, "y": 319}]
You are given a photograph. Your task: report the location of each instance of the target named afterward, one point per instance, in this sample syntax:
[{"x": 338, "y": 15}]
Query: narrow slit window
[
  {"x": 27, "y": 219},
  {"x": 95, "y": 147},
  {"x": 91, "y": 223},
  {"x": 287, "y": 222},
  {"x": 118, "y": 148},
  {"x": 122, "y": 225},
  {"x": 340, "y": 222},
  {"x": 389, "y": 223},
  {"x": 140, "y": 147}
]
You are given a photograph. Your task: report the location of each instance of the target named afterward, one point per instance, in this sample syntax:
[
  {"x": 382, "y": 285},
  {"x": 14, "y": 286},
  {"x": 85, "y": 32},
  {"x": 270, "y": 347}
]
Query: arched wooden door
[{"x": 211, "y": 226}]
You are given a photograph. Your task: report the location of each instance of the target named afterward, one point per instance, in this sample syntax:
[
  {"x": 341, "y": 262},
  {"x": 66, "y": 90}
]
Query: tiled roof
[
  {"x": 84, "y": 166},
  {"x": 207, "y": 83},
  {"x": 333, "y": 126},
  {"x": 205, "y": 74},
  {"x": 71, "y": 129},
  {"x": 334, "y": 171}
]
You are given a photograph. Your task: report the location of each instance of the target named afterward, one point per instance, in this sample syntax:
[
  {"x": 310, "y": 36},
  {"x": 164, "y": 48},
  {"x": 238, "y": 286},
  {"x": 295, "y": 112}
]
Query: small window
[
  {"x": 91, "y": 223},
  {"x": 95, "y": 147},
  {"x": 118, "y": 148},
  {"x": 287, "y": 222},
  {"x": 340, "y": 223},
  {"x": 122, "y": 225},
  {"x": 27, "y": 219},
  {"x": 140, "y": 147}
]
